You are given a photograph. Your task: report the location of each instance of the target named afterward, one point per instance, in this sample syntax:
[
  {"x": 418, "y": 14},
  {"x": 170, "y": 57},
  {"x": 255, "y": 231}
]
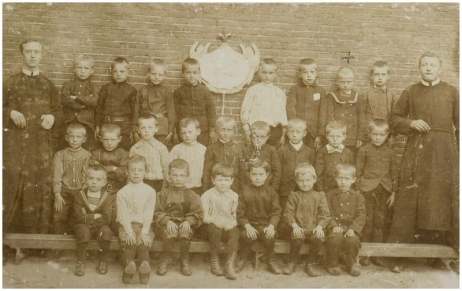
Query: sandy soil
[{"x": 35, "y": 272}]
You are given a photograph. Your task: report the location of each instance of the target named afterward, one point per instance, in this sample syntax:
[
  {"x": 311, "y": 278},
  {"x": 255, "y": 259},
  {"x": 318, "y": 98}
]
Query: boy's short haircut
[
  {"x": 306, "y": 62},
  {"x": 379, "y": 64},
  {"x": 189, "y": 62},
  {"x": 259, "y": 163},
  {"x": 224, "y": 170},
  {"x": 260, "y": 125},
  {"x": 119, "y": 60},
  {"x": 380, "y": 123},
  {"x": 178, "y": 164},
  {"x": 225, "y": 120},
  {"x": 137, "y": 159},
  {"x": 343, "y": 71},
  {"x": 345, "y": 167},
  {"x": 296, "y": 121},
  {"x": 84, "y": 58},
  {"x": 76, "y": 126},
  {"x": 305, "y": 168},
  {"x": 22, "y": 44},
  {"x": 108, "y": 128},
  {"x": 157, "y": 63},
  {"x": 97, "y": 168},
  {"x": 269, "y": 62},
  {"x": 430, "y": 55},
  {"x": 185, "y": 122},
  {"x": 335, "y": 125},
  {"x": 146, "y": 117}
]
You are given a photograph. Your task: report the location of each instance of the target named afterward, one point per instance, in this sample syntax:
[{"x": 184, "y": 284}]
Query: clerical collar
[
  {"x": 30, "y": 73},
  {"x": 296, "y": 146},
  {"x": 429, "y": 84}
]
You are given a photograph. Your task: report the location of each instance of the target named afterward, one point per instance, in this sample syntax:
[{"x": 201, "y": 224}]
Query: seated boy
[
  {"x": 155, "y": 152},
  {"x": 292, "y": 154},
  {"x": 68, "y": 175},
  {"x": 135, "y": 209},
  {"x": 307, "y": 101},
  {"x": 224, "y": 151},
  {"x": 191, "y": 151},
  {"x": 331, "y": 155},
  {"x": 79, "y": 99},
  {"x": 348, "y": 107},
  {"x": 378, "y": 182},
  {"x": 258, "y": 214},
  {"x": 116, "y": 103},
  {"x": 259, "y": 149},
  {"x": 348, "y": 216},
  {"x": 194, "y": 100},
  {"x": 220, "y": 206},
  {"x": 156, "y": 98},
  {"x": 308, "y": 214},
  {"x": 92, "y": 217},
  {"x": 178, "y": 213},
  {"x": 266, "y": 102}
]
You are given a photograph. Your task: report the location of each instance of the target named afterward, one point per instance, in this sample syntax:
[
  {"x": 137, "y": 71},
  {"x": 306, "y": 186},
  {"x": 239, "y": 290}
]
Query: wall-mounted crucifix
[{"x": 348, "y": 57}]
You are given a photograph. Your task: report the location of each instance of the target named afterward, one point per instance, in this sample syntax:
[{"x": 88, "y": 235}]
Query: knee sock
[
  {"x": 129, "y": 253},
  {"x": 104, "y": 249},
  {"x": 81, "y": 251},
  {"x": 143, "y": 254}
]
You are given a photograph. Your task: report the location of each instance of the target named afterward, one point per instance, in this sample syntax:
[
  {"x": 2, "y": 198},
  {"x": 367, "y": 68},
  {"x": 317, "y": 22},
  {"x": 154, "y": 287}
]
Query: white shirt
[
  {"x": 194, "y": 155},
  {"x": 220, "y": 208}
]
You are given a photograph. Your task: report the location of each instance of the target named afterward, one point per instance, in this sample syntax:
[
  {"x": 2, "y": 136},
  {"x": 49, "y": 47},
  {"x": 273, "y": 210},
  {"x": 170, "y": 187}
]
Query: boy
[
  {"x": 220, "y": 206},
  {"x": 332, "y": 154},
  {"x": 348, "y": 216},
  {"x": 79, "y": 99},
  {"x": 379, "y": 100},
  {"x": 31, "y": 107},
  {"x": 349, "y": 107},
  {"x": 155, "y": 152},
  {"x": 155, "y": 98},
  {"x": 307, "y": 101},
  {"x": 307, "y": 213},
  {"x": 135, "y": 209},
  {"x": 178, "y": 213},
  {"x": 258, "y": 214},
  {"x": 266, "y": 102},
  {"x": 260, "y": 150},
  {"x": 68, "y": 175},
  {"x": 93, "y": 217},
  {"x": 292, "y": 154},
  {"x": 116, "y": 103},
  {"x": 224, "y": 151},
  {"x": 378, "y": 182},
  {"x": 194, "y": 100},
  {"x": 192, "y": 152}
]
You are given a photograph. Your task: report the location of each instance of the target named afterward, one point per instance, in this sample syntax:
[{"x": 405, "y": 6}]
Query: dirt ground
[{"x": 40, "y": 272}]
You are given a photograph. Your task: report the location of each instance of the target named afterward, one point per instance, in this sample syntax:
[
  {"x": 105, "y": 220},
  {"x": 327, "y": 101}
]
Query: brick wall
[{"x": 397, "y": 33}]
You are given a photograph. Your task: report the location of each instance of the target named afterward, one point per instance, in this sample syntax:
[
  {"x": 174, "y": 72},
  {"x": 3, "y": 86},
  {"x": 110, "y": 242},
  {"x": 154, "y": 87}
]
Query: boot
[
  {"x": 162, "y": 269},
  {"x": 229, "y": 267},
  {"x": 295, "y": 247},
  {"x": 215, "y": 261},
  {"x": 272, "y": 265},
  {"x": 309, "y": 270},
  {"x": 145, "y": 271},
  {"x": 184, "y": 257},
  {"x": 129, "y": 271}
]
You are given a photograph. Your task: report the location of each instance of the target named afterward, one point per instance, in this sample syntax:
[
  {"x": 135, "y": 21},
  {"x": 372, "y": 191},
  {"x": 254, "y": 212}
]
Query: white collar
[
  {"x": 297, "y": 146},
  {"x": 425, "y": 83},
  {"x": 331, "y": 149},
  {"x": 222, "y": 141},
  {"x": 30, "y": 73}
]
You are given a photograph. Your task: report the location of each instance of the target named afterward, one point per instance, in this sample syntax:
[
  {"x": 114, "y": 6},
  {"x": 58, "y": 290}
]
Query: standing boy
[{"x": 266, "y": 102}]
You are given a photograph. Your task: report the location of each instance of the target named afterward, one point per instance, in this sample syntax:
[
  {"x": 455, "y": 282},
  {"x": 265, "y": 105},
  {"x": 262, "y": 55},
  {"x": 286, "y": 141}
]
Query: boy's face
[
  {"x": 95, "y": 180},
  {"x": 189, "y": 133},
  {"x": 83, "y": 70},
  {"x": 258, "y": 176},
  {"x": 305, "y": 181},
  {"x": 120, "y": 72},
  {"x": 191, "y": 74},
  {"x": 110, "y": 140},
  {"x": 344, "y": 180},
  {"x": 267, "y": 73},
  {"x": 136, "y": 172},
  {"x": 178, "y": 177},
  {"x": 261, "y": 135},
  {"x": 430, "y": 68},
  {"x": 335, "y": 137},
  {"x": 156, "y": 74},
  {"x": 380, "y": 76},
  {"x": 345, "y": 82},
  {"x": 222, "y": 183},
  {"x": 75, "y": 138},
  {"x": 296, "y": 133},
  {"x": 147, "y": 128},
  {"x": 378, "y": 135},
  {"x": 31, "y": 55},
  {"x": 308, "y": 73},
  {"x": 225, "y": 131}
]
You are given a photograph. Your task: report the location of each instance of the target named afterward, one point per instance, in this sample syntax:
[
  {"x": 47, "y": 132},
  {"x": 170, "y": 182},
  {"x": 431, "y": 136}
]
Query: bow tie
[{"x": 331, "y": 149}]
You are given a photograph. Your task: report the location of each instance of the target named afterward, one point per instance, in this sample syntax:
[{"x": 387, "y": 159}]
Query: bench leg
[{"x": 19, "y": 256}]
